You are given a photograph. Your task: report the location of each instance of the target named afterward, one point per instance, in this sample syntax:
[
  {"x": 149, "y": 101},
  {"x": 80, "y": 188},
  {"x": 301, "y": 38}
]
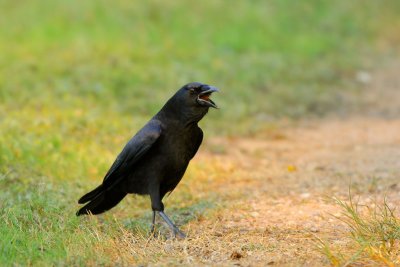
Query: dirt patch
[
  {"x": 281, "y": 182},
  {"x": 284, "y": 202}
]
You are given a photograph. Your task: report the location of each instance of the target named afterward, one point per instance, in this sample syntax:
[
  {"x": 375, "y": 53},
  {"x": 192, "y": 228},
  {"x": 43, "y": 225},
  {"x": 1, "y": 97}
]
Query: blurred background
[
  {"x": 270, "y": 58},
  {"x": 78, "y": 78}
]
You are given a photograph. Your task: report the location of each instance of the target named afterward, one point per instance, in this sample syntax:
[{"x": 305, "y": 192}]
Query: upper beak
[
  {"x": 208, "y": 90},
  {"x": 211, "y": 89}
]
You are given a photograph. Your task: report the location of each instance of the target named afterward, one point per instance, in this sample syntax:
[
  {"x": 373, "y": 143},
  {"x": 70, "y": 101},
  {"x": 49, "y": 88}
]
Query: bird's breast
[{"x": 180, "y": 148}]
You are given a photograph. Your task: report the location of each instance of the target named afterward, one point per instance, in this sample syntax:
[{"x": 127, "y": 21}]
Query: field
[{"x": 299, "y": 166}]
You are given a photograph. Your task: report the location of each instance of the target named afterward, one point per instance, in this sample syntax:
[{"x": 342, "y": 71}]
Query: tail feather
[
  {"x": 101, "y": 202},
  {"x": 91, "y": 195}
]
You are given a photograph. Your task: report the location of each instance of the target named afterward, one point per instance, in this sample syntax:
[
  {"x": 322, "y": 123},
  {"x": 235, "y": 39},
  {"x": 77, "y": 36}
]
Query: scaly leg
[{"x": 158, "y": 206}]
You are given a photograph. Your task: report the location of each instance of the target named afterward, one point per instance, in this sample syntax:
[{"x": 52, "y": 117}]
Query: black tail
[
  {"x": 91, "y": 195},
  {"x": 101, "y": 200}
]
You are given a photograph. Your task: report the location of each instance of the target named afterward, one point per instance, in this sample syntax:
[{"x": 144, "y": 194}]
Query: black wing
[{"x": 132, "y": 152}]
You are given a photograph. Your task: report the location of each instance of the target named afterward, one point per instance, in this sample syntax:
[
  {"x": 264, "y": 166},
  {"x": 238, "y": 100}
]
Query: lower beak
[{"x": 206, "y": 101}]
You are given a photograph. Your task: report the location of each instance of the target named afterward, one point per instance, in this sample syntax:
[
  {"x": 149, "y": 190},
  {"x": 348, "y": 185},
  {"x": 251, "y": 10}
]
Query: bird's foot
[
  {"x": 153, "y": 232},
  {"x": 178, "y": 234}
]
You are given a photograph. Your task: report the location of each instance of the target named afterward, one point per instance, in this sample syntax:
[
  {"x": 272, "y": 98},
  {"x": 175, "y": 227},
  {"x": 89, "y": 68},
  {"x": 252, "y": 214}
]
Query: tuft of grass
[{"x": 373, "y": 235}]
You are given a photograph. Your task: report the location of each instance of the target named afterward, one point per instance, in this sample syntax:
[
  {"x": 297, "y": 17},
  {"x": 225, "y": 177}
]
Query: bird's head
[
  {"x": 192, "y": 101},
  {"x": 198, "y": 94}
]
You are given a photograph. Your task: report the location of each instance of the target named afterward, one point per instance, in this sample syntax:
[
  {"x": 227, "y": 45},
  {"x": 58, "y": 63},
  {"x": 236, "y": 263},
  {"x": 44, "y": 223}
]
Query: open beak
[{"x": 204, "y": 97}]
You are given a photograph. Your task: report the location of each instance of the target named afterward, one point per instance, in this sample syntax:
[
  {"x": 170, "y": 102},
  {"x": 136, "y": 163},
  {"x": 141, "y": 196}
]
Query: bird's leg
[
  {"x": 153, "y": 222},
  {"x": 175, "y": 230},
  {"x": 158, "y": 206}
]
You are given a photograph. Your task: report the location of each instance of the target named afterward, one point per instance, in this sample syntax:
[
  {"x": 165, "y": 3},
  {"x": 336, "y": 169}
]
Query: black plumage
[{"x": 155, "y": 159}]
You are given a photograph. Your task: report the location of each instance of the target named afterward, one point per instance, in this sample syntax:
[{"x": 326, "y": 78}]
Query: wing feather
[{"x": 132, "y": 152}]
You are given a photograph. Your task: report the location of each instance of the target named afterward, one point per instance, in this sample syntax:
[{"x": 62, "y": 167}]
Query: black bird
[{"x": 154, "y": 161}]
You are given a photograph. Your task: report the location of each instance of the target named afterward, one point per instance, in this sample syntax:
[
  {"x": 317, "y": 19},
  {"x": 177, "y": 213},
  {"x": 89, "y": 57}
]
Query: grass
[
  {"x": 373, "y": 237},
  {"x": 78, "y": 78}
]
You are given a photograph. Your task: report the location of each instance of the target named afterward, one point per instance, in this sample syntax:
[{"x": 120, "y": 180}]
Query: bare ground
[
  {"x": 284, "y": 203},
  {"x": 280, "y": 182}
]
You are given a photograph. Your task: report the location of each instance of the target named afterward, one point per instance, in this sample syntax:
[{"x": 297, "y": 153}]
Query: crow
[{"x": 155, "y": 159}]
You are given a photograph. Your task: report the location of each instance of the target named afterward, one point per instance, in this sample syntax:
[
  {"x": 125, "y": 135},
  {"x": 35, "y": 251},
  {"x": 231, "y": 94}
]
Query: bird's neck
[{"x": 181, "y": 116}]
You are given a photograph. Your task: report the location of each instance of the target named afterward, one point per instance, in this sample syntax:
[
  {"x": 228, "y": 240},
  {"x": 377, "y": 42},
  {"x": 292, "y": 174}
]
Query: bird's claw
[
  {"x": 178, "y": 234},
  {"x": 153, "y": 232}
]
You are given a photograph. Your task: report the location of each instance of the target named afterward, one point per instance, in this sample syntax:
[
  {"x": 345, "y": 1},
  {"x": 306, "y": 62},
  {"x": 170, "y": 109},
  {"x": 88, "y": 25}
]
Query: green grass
[{"x": 78, "y": 78}]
